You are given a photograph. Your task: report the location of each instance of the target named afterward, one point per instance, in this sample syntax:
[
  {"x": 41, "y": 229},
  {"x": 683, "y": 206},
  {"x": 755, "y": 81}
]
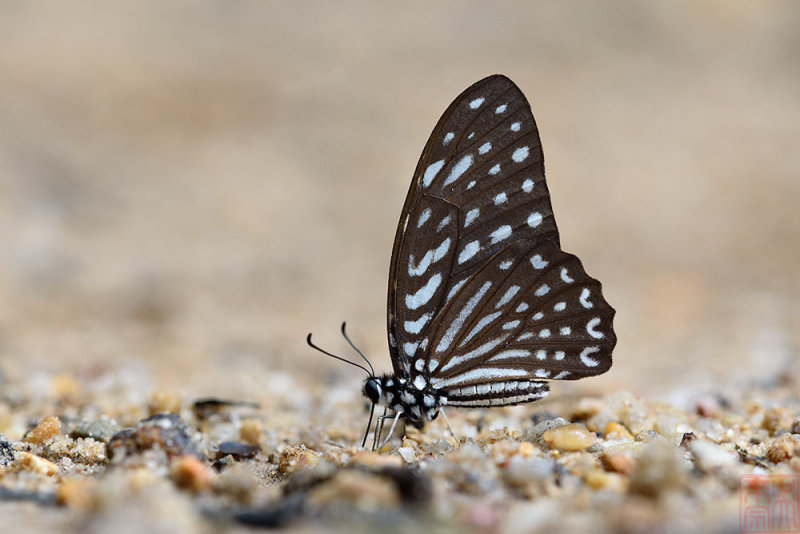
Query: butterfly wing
[{"x": 478, "y": 188}]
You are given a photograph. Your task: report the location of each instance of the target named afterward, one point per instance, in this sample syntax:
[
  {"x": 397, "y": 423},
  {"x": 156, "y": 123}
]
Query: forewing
[{"x": 479, "y": 185}]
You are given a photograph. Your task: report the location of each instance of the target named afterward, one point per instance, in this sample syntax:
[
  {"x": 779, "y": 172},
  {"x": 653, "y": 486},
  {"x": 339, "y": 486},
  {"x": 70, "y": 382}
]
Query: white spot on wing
[
  {"x": 522, "y": 307},
  {"x": 584, "y": 299},
  {"x": 515, "y": 127},
  {"x": 538, "y": 262},
  {"x": 543, "y": 290},
  {"x": 444, "y": 222},
  {"x": 431, "y": 256},
  {"x": 494, "y": 170},
  {"x": 424, "y": 294},
  {"x": 565, "y": 330},
  {"x": 409, "y": 349},
  {"x": 414, "y": 327},
  {"x": 500, "y": 109},
  {"x": 541, "y": 354},
  {"x": 544, "y": 332},
  {"x": 431, "y": 172},
  {"x": 470, "y": 216},
  {"x": 448, "y": 137},
  {"x": 423, "y": 217},
  {"x": 459, "y": 169},
  {"x": 500, "y": 198},
  {"x": 534, "y": 219},
  {"x": 501, "y": 233},
  {"x": 470, "y": 249},
  {"x": 471, "y": 184},
  {"x": 520, "y": 154},
  {"x": 565, "y": 276},
  {"x": 419, "y": 383},
  {"x": 511, "y": 325},
  {"x": 560, "y": 306},
  {"x": 586, "y": 360},
  {"x": 536, "y": 316},
  {"x": 559, "y": 355},
  {"x": 454, "y": 289},
  {"x": 475, "y": 104},
  {"x": 484, "y": 148},
  {"x": 419, "y": 364},
  {"x": 590, "y": 328},
  {"x": 504, "y": 266},
  {"x": 527, "y": 185}
]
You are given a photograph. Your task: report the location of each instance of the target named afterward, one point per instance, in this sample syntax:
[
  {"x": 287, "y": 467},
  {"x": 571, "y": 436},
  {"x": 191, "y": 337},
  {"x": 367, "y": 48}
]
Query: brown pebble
[
  {"x": 659, "y": 468},
  {"x": 75, "y": 493},
  {"x": 374, "y": 459},
  {"x": 293, "y": 459},
  {"x": 164, "y": 402},
  {"x": 599, "y": 479},
  {"x": 687, "y": 439},
  {"x": 365, "y": 491},
  {"x": 615, "y": 430},
  {"x": 708, "y": 406},
  {"x": 250, "y": 431},
  {"x": 47, "y": 429},
  {"x": 189, "y": 472},
  {"x": 573, "y": 437},
  {"x": 65, "y": 385},
  {"x": 777, "y": 419},
  {"x": 619, "y": 460},
  {"x": 26, "y": 461},
  {"x": 783, "y": 448}
]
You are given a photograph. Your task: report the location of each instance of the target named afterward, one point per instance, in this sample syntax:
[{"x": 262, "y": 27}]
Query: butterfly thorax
[{"x": 418, "y": 405}]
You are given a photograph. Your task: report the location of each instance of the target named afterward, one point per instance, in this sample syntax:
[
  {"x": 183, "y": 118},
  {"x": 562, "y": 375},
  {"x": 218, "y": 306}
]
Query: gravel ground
[{"x": 187, "y": 189}]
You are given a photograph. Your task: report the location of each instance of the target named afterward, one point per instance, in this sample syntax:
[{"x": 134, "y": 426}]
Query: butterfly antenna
[
  {"x": 344, "y": 333},
  {"x": 325, "y": 352}
]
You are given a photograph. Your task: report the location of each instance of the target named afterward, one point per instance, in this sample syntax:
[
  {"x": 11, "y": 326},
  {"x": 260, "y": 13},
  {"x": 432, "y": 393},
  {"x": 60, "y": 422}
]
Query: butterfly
[{"x": 484, "y": 308}]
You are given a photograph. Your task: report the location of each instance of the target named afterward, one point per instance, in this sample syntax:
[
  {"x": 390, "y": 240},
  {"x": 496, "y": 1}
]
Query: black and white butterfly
[{"x": 484, "y": 306}]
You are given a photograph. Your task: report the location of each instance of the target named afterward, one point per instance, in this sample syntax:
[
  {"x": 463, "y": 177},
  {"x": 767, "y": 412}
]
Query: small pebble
[
  {"x": 99, "y": 429},
  {"x": 777, "y": 419},
  {"x": 250, "y": 431},
  {"x": 537, "y": 431},
  {"x": 6, "y": 452},
  {"x": 659, "y": 468},
  {"x": 362, "y": 490},
  {"x": 783, "y": 448},
  {"x": 240, "y": 451},
  {"x": 189, "y": 472},
  {"x": 615, "y": 431},
  {"x": 293, "y": 459},
  {"x": 375, "y": 459},
  {"x": 47, "y": 429},
  {"x": 573, "y": 437},
  {"x": 599, "y": 479},
  {"x": 620, "y": 459},
  {"x": 165, "y": 432},
  {"x": 75, "y": 492},
  {"x": 26, "y": 461},
  {"x": 164, "y": 402},
  {"x": 407, "y": 454}
]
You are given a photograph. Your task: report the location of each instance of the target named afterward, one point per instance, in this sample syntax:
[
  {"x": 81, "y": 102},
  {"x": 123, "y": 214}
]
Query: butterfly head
[{"x": 372, "y": 389}]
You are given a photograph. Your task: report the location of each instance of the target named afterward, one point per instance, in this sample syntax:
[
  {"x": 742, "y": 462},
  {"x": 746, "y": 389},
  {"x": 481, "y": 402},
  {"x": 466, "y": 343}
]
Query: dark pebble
[
  {"x": 164, "y": 431},
  {"x": 687, "y": 439},
  {"x": 6, "y": 452},
  {"x": 205, "y": 408},
  {"x": 240, "y": 451},
  {"x": 100, "y": 430}
]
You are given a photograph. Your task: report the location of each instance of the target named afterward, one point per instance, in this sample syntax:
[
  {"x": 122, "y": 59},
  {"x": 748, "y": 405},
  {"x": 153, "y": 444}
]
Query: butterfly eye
[{"x": 372, "y": 389}]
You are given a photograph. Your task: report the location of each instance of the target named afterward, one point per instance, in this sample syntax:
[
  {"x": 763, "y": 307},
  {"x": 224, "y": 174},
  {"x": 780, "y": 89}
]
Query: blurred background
[{"x": 188, "y": 188}]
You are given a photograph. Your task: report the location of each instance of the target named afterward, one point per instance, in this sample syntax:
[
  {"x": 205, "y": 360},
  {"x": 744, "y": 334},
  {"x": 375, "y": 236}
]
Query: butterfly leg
[
  {"x": 450, "y": 428},
  {"x": 379, "y": 428},
  {"x": 391, "y": 430}
]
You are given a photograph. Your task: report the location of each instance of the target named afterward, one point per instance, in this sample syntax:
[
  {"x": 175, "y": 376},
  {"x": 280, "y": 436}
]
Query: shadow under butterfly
[{"x": 484, "y": 307}]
